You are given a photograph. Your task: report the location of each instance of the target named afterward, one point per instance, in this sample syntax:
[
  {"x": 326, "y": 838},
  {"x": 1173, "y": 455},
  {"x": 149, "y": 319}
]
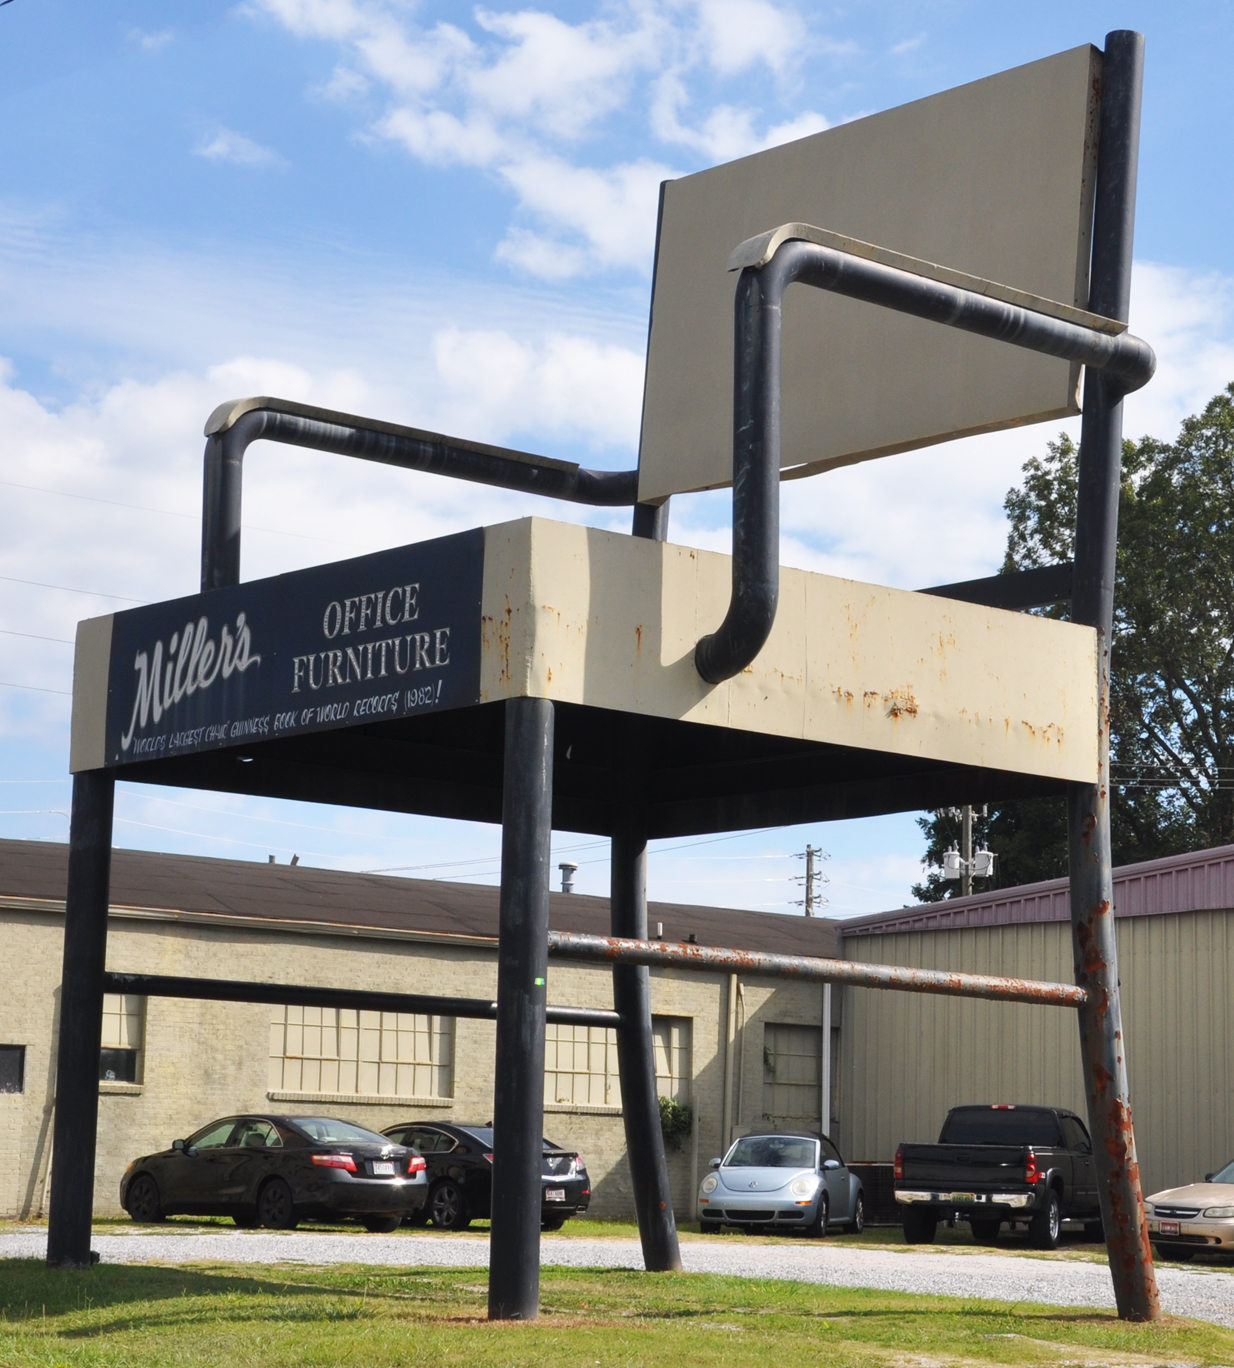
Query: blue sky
[{"x": 444, "y": 215}]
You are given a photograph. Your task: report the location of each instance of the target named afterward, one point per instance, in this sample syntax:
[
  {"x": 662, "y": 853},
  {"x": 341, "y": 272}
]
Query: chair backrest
[{"x": 994, "y": 179}]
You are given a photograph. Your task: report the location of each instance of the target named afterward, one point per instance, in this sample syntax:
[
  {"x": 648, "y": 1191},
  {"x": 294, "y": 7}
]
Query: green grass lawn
[{"x": 218, "y": 1314}]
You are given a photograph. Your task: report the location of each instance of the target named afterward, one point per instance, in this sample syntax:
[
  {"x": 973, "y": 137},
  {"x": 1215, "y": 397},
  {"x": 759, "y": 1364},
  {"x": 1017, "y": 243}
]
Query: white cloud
[
  {"x": 908, "y": 45},
  {"x": 150, "y": 42},
  {"x": 230, "y": 146},
  {"x": 738, "y": 34},
  {"x": 527, "y": 96},
  {"x": 567, "y": 386},
  {"x": 613, "y": 211}
]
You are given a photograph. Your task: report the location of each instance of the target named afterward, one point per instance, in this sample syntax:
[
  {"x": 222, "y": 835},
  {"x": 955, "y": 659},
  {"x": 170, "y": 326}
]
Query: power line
[
  {"x": 30, "y": 636},
  {"x": 166, "y": 512},
  {"x": 65, "y": 693},
  {"x": 67, "y": 589}
]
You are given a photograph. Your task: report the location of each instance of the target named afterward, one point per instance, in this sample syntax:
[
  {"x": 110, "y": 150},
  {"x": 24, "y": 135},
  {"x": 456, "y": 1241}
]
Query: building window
[
  {"x": 12, "y": 1068},
  {"x": 379, "y": 1054},
  {"x": 792, "y": 1068},
  {"x": 124, "y": 1020},
  {"x": 672, "y": 1038},
  {"x": 580, "y": 1065}
]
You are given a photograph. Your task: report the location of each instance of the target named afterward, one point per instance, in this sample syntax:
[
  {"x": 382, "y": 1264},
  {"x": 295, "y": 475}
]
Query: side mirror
[
  {"x": 713, "y": 1163},
  {"x": 177, "y": 1145},
  {"x": 831, "y": 1164}
]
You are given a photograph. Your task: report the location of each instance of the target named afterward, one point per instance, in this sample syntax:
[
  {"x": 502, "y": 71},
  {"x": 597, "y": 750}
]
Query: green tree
[{"x": 1172, "y": 695}]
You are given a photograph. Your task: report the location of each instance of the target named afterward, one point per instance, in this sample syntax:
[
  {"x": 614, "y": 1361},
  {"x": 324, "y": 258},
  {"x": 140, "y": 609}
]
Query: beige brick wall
[{"x": 206, "y": 1059}]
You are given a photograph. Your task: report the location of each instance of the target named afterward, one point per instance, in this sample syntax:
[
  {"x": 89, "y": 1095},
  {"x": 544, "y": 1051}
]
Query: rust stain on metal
[
  {"x": 1102, "y": 1078},
  {"x": 901, "y": 704},
  {"x": 717, "y": 959},
  {"x": 503, "y": 629}
]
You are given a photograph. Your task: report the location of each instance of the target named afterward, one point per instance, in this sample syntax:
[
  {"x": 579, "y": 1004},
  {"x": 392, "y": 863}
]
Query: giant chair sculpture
[{"x": 547, "y": 675}]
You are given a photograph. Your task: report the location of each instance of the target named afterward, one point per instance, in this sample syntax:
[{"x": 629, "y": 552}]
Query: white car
[{"x": 1196, "y": 1219}]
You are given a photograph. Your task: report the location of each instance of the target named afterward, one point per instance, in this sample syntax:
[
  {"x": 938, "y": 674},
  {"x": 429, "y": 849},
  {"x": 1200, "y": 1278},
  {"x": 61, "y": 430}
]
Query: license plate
[
  {"x": 1170, "y": 1228},
  {"x": 383, "y": 1168},
  {"x": 963, "y": 1196},
  {"x": 554, "y": 1194}
]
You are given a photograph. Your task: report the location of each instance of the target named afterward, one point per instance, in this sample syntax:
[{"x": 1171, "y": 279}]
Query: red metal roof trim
[{"x": 1198, "y": 881}]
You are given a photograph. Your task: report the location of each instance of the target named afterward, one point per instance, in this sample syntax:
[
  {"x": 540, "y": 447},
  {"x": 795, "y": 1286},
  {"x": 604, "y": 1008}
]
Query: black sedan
[
  {"x": 460, "y": 1175},
  {"x": 277, "y": 1171}
]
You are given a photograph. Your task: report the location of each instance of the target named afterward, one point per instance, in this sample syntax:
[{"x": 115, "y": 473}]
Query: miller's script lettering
[{"x": 194, "y": 662}]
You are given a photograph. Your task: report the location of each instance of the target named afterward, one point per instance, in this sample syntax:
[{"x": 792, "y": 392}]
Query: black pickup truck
[{"x": 999, "y": 1163}]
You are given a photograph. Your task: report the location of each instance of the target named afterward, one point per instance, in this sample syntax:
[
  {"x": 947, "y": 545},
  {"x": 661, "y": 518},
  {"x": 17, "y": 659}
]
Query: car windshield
[
  {"x": 772, "y": 1151},
  {"x": 1226, "y": 1175},
  {"x": 329, "y": 1130},
  {"x": 999, "y": 1126}
]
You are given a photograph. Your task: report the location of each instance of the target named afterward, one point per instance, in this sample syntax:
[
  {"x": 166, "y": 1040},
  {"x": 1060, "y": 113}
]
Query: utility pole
[
  {"x": 814, "y": 879},
  {"x": 966, "y": 850}
]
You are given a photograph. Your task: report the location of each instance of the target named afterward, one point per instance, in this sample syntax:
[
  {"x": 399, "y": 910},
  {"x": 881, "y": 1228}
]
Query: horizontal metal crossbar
[
  {"x": 357, "y": 999},
  {"x": 1041, "y": 587},
  {"x": 574, "y": 945}
]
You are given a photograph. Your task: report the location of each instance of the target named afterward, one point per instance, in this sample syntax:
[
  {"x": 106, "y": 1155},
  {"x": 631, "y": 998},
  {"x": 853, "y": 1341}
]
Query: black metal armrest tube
[
  {"x": 224, "y": 474},
  {"x": 1126, "y": 361}
]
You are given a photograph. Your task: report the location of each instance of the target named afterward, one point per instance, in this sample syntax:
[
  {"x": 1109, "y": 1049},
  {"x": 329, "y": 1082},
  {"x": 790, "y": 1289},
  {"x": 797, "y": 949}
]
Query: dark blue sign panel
[{"x": 396, "y": 634}]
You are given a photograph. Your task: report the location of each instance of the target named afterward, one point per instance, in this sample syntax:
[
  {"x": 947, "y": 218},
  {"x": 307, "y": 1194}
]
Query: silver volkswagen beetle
[{"x": 781, "y": 1180}]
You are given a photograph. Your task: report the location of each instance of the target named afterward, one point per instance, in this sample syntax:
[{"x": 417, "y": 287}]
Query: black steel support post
[
  {"x": 81, "y": 1021},
  {"x": 522, "y": 968},
  {"x": 636, "y": 1060},
  {"x": 1103, "y": 1044}
]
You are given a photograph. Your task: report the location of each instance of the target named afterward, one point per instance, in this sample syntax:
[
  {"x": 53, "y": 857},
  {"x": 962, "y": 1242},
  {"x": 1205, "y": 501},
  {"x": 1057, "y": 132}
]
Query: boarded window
[
  {"x": 123, "y": 1040},
  {"x": 672, "y": 1039},
  {"x": 580, "y": 1065},
  {"x": 792, "y": 1065},
  {"x": 380, "y": 1054}
]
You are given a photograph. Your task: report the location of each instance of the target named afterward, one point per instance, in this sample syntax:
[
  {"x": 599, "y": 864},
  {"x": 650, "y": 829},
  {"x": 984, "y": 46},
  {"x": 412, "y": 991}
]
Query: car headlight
[
  {"x": 803, "y": 1187},
  {"x": 1148, "y": 1208},
  {"x": 1219, "y": 1213},
  {"x": 710, "y": 1183}
]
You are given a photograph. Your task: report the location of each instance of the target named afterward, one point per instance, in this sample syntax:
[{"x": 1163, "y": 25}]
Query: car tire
[
  {"x": 275, "y": 1208},
  {"x": 381, "y": 1225},
  {"x": 920, "y": 1226},
  {"x": 817, "y": 1229},
  {"x": 985, "y": 1232},
  {"x": 447, "y": 1206},
  {"x": 246, "y": 1220},
  {"x": 858, "y": 1223},
  {"x": 710, "y": 1227},
  {"x": 1047, "y": 1223},
  {"x": 552, "y": 1223},
  {"x": 143, "y": 1200},
  {"x": 1174, "y": 1253}
]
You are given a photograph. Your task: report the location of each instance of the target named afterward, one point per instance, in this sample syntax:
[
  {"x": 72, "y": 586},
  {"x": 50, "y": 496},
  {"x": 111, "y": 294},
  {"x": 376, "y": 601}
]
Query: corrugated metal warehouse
[{"x": 906, "y": 1058}]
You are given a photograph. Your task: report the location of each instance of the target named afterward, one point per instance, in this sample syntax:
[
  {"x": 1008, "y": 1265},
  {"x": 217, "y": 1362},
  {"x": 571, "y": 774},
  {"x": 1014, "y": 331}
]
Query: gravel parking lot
[{"x": 1205, "y": 1293}]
